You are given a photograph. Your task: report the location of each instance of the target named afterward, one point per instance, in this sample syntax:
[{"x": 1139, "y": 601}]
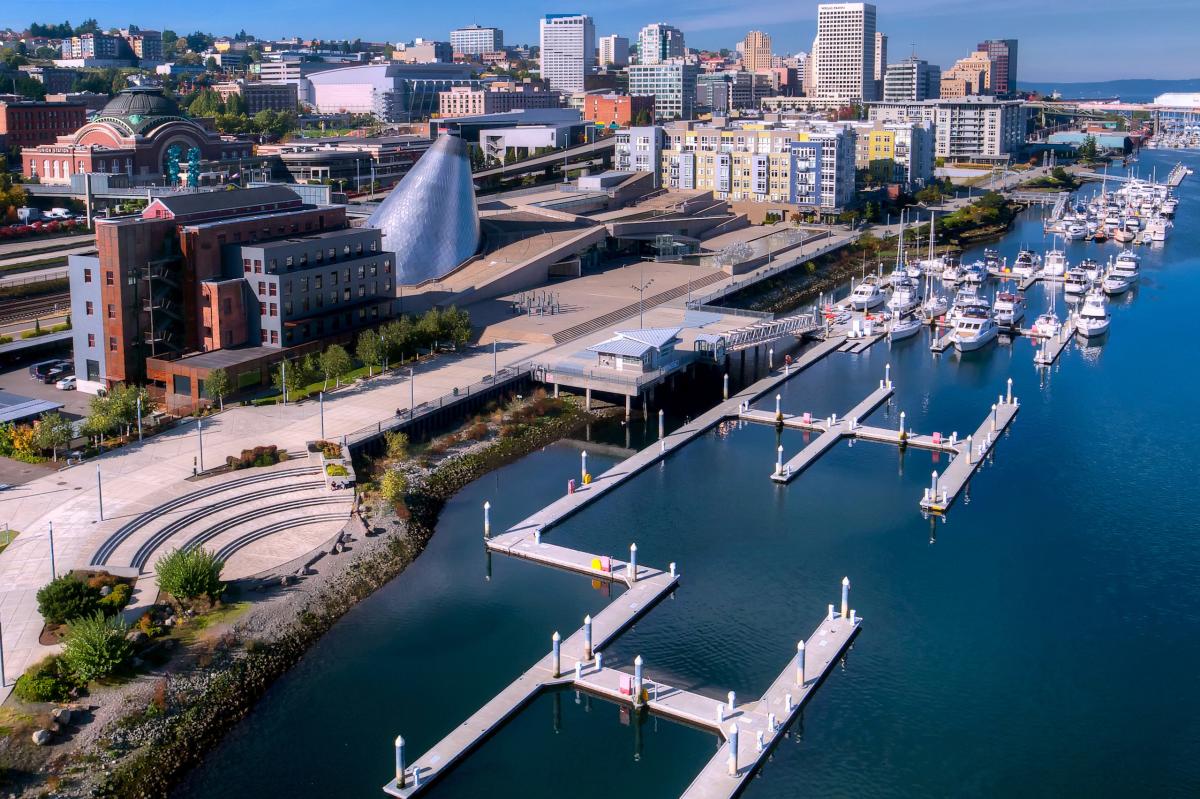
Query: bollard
[
  {"x": 787, "y": 703},
  {"x": 556, "y": 649},
  {"x": 853, "y": 617},
  {"x": 731, "y": 701},
  {"x": 571, "y": 486},
  {"x": 720, "y": 713},
  {"x": 733, "y": 750},
  {"x": 660, "y": 423},
  {"x": 599, "y": 661},
  {"x": 637, "y": 681},
  {"x": 902, "y": 424},
  {"x": 887, "y": 375},
  {"x": 834, "y": 418},
  {"x": 416, "y": 777},
  {"x": 578, "y": 670},
  {"x": 399, "y": 761},
  {"x": 725, "y": 390},
  {"x": 587, "y": 637},
  {"x": 993, "y": 418},
  {"x": 633, "y": 563},
  {"x": 487, "y": 520},
  {"x": 845, "y": 597},
  {"x": 537, "y": 536},
  {"x": 759, "y": 745},
  {"x": 779, "y": 460},
  {"x": 954, "y": 438},
  {"x": 800, "y": 663},
  {"x": 935, "y": 482},
  {"x": 830, "y": 616},
  {"x": 772, "y": 722},
  {"x": 583, "y": 467},
  {"x": 672, "y": 567}
]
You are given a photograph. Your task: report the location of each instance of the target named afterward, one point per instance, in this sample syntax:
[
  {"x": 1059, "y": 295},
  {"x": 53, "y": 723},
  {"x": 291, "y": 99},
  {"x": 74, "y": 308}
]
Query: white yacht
[
  {"x": 1076, "y": 281},
  {"x": 1091, "y": 269},
  {"x": 905, "y": 297},
  {"x": 1047, "y": 325},
  {"x": 1026, "y": 264},
  {"x": 973, "y": 274},
  {"x": 1075, "y": 232},
  {"x": 1093, "y": 317},
  {"x": 1009, "y": 308},
  {"x": 967, "y": 299},
  {"x": 1114, "y": 284},
  {"x": 974, "y": 329},
  {"x": 904, "y": 327},
  {"x": 867, "y": 294},
  {"x": 1055, "y": 263},
  {"x": 1127, "y": 265},
  {"x": 951, "y": 272}
]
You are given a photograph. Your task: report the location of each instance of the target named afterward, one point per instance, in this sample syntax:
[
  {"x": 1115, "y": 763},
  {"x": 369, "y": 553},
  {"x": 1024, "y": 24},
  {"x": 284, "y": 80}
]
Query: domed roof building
[{"x": 133, "y": 135}]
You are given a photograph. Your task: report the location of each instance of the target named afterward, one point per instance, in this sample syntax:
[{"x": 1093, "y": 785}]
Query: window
[
  {"x": 362, "y": 290},
  {"x": 87, "y": 275},
  {"x": 320, "y": 256},
  {"x": 333, "y": 298},
  {"x": 332, "y": 253},
  {"x": 317, "y": 282},
  {"x": 112, "y": 311},
  {"x": 262, "y": 288},
  {"x": 333, "y": 277},
  {"x": 274, "y": 309},
  {"x": 112, "y": 343},
  {"x": 89, "y": 308},
  {"x": 91, "y": 339},
  {"x": 287, "y": 308},
  {"x": 287, "y": 288},
  {"x": 287, "y": 261},
  {"x": 246, "y": 266},
  {"x": 271, "y": 289},
  {"x": 93, "y": 369},
  {"x": 262, "y": 336},
  {"x": 274, "y": 336},
  {"x": 108, "y": 277},
  {"x": 262, "y": 309},
  {"x": 346, "y": 274},
  {"x": 362, "y": 271},
  {"x": 181, "y": 384},
  {"x": 346, "y": 294},
  {"x": 374, "y": 270}
]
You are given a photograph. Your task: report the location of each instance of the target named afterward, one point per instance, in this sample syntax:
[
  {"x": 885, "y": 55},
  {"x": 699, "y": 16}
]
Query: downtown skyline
[{"x": 1059, "y": 43}]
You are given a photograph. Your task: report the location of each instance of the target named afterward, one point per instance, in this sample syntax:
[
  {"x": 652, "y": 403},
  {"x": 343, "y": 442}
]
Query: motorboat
[
  {"x": 974, "y": 329},
  {"x": 1047, "y": 325},
  {"x": 951, "y": 273},
  {"x": 974, "y": 274},
  {"x": 1093, "y": 318},
  {"x": 1009, "y": 308},
  {"x": 867, "y": 294},
  {"x": 1123, "y": 236},
  {"x": 1090, "y": 268},
  {"x": 991, "y": 261},
  {"x": 1026, "y": 264},
  {"x": 1076, "y": 281},
  {"x": 1055, "y": 263},
  {"x": 904, "y": 327},
  {"x": 905, "y": 297},
  {"x": 1114, "y": 284},
  {"x": 967, "y": 299},
  {"x": 1075, "y": 232},
  {"x": 1128, "y": 265},
  {"x": 933, "y": 307}
]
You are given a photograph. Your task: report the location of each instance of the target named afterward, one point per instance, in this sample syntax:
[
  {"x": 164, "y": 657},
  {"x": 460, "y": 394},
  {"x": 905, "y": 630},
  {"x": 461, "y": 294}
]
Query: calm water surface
[{"x": 1042, "y": 640}]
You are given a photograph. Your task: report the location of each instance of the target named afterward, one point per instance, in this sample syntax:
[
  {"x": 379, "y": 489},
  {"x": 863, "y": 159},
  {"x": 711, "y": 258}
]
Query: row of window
[
  {"x": 112, "y": 344},
  {"x": 348, "y": 251}
]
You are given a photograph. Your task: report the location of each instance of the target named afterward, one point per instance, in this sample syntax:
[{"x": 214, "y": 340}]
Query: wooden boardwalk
[{"x": 969, "y": 454}]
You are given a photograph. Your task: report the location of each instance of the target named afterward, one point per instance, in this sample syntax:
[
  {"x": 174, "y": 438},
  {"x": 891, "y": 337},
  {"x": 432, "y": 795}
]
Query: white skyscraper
[
  {"x": 844, "y": 52},
  {"x": 659, "y": 42},
  {"x": 614, "y": 51},
  {"x": 568, "y": 50},
  {"x": 473, "y": 40}
]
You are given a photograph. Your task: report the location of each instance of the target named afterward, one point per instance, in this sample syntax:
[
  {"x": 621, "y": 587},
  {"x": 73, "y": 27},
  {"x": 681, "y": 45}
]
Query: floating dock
[
  {"x": 968, "y": 455},
  {"x": 1051, "y": 347}
]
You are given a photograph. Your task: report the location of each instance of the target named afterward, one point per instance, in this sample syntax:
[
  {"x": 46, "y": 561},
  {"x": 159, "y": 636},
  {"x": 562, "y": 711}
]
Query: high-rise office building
[
  {"x": 881, "y": 62},
  {"x": 673, "y": 84},
  {"x": 972, "y": 75},
  {"x": 844, "y": 52},
  {"x": 756, "y": 51},
  {"x": 1003, "y": 53},
  {"x": 911, "y": 80},
  {"x": 614, "y": 51},
  {"x": 475, "y": 40},
  {"x": 659, "y": 42},
  {"x": 568, "y": 53}
]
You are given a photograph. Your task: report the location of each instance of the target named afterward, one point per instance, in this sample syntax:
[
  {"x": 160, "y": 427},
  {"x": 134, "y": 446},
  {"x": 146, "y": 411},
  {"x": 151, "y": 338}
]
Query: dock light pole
[
  {"x": 733, "y": 750},
  {"x": 50, "y": 530},
  {"x": 587, "y": 637},
  {"x": 487, "y": 520},
  {"x": 556, "y": 650},
  {"x": 1009, "y": 396},
  {"x": 399, "y": 761},
  {"x": 725, "y": 391},
  {"x": 779, "y": 460},
  {"x": 934, "y": 486},
  {"x": 660, "y": 423},
  {"x": 321, "y": 402},
  {"x": 800, "y": 663},
  {"x": 633, "y": 563},
  {"x": 993, "y": 417},
  {"x": 99, "y": 492},
  {"x": 845, "y": 597},
  {"x": 583, "y": 466},
  {"x": 637, "y": 681},
  {"x": 200, "y": 438},
  {"x": 887, "y": 375}
]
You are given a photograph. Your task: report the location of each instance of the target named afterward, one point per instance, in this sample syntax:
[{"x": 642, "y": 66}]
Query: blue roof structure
[
  {"x": 15, "y": 408},
  {"x": 635, "y": 343}
]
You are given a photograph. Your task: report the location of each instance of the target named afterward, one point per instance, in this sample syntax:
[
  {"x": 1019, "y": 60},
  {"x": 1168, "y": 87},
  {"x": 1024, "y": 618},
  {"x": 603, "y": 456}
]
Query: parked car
[
  {"x": 66, "y": 384},
  {"x": 38, "y": 371}
]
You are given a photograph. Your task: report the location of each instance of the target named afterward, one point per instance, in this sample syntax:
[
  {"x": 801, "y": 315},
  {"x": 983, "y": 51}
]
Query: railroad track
[{"x": 33, "y": 307}]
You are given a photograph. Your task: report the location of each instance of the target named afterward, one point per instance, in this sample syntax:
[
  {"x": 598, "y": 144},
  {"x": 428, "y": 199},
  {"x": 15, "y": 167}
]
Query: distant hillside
[{"x": 1131, "y": 91}]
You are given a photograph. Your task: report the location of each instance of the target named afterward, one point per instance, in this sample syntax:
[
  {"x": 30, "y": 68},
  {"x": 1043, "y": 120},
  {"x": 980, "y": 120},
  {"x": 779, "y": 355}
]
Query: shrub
[
  {"x": 397, "y": 445},
  {"x": 148, "y": 625},
  {"x": 116, "y": 599},
  {"x": 259, "y": 456},
  {"x": 65, "y": 598},
  {"x": 393, "y": 486},
  {"x": 189, "y": 574},
  {"x": 48, "y": 680},
  {"x": 330, "y": 449},
  {"x": 102, "y": 579},
  {"x": 336, "y": 470},
  {"x": 477, "y": 431},
  {"x": 95, "y": 646}
]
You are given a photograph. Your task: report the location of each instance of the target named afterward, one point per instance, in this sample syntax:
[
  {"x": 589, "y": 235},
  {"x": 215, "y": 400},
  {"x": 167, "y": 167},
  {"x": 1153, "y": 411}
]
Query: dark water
[{"x": 1043, "y": 640}]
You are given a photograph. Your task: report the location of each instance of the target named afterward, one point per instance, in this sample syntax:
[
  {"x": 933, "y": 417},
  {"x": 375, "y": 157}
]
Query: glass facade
[{"x": 430, "y": 220}]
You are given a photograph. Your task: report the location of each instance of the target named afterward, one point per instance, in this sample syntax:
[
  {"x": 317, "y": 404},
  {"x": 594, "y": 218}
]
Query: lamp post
[
  {"x": 200, "y": 438},
  {"x": 412, "y": 394}
]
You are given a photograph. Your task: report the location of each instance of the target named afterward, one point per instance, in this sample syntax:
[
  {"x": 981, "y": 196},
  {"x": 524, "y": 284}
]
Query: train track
[{"x": 33, "y": 307}]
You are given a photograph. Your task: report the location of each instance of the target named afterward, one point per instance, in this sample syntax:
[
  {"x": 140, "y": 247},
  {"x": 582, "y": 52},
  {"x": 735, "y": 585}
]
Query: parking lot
[{"x": 16, "y": 380}]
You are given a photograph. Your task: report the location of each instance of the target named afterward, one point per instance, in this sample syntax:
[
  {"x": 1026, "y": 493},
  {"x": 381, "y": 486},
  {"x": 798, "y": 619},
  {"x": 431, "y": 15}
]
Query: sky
[{"x": 1060, "y": 40}]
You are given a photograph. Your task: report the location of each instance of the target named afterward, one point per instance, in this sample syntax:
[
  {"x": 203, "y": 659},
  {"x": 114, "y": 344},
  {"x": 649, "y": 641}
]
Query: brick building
[
  {"x": 618, "y": 110},
  {"x": 498, "y": 98},
  {"x": 260, "y": 96},
  {"x": 29, "y": 123}
]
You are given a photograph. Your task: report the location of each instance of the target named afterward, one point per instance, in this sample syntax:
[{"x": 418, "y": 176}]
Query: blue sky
[{"x": 1061, "y": 40}]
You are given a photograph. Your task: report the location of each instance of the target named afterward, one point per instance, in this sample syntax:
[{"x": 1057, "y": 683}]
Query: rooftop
[
  {"x": 15, "y": 408},
  {"x": 637, "y": 342}
]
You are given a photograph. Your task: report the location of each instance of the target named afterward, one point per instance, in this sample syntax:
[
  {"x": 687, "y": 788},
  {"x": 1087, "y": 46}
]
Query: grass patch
[
  {"x": 222, "y": 615},
  {"x": 13, "y": 722},
  {"x": 7, "y": 537}
]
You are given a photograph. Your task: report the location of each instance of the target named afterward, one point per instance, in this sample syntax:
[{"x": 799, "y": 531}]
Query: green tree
[
  {"x": 207, "y": 104},
  {"x": 95, "y": 646},
  {"x": 53, "y": 432},
  {"x": 393, "y": 485},
  {"x": 295, "y": 373},
  {"x": 397, "y": 444},
  {"x": 643, "y": 118},
  {"x": 65, "y": 598},
  {"x": 218, "y": 385},
  {"x": 370, "y": 350},
  {"x": 335, "y": 362},
  {"x": 398, "y": 337},
  {"x": 190, "y": 574},
  {"x": 235, "y": 104}
]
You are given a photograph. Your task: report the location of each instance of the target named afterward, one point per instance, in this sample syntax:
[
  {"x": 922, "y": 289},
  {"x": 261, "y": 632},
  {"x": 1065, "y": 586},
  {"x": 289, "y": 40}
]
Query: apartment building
[
  {"x": 911, "y": 80},
  {"x": 259, "y": 96},
  {"x": 614, "y": 51},
  {"x": 966, "y": 128},
  {"x": 896, "y": 152},
  {"x": 568, "y": 51},
  {"x": 659, "y": 42},
  {"x": 474, "y": 40},
  {"x": 497, "y": 98},
  {"x": 672, "y": 84}
]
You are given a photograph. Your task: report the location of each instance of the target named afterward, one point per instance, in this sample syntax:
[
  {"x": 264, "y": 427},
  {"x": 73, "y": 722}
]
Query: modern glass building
[{"x": 430, "y": 221}]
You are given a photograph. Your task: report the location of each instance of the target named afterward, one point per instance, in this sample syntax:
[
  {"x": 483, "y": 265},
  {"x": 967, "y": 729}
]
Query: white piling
[
  {"x": 579, "y": 670},
  {"x": 778, "y": 408},
  {"x": 853, "y": 617},
  {"x": 537, "y": 536},
  {"x": 725, "y": 389},
  {"x": 887, "y": 375},
  {"x": 720, "y": 713},
  {"x": 399, "y": 761},
  {"x": 487, "y": 520},
  {"x": 934, "y": 483},
  {"x": 845, "y": 597},
  {"x": 637, "y": 681},
  {"x": 901, "y": 424},
  {"x": 587, "y": 637},
  {"x": 993, "y": 417},
  {"x": 556, "y": 649},
  {"x": 830, "y": 616},
  {"x": 970, "y": 449},
  {"x": 599, "y": 661},
  {"x": 759, "y": 744},
  {"x": 633, "y": 563},
  {"x": 800, "y": 663},
  {"x": 770, "y": 357},
  {"x": 672, "y": 567},
  {"x": 787, "y": 703},
  {"x": 660, "y": 423},
  {"x": 733, "y": 750},
  {"x": 731, "y": 701},
  {"x": 779, "y": 460}
]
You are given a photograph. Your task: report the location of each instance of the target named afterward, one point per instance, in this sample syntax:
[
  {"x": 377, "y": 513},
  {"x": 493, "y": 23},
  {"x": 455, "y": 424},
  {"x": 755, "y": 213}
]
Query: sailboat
[{"x": 935, "y": 305}]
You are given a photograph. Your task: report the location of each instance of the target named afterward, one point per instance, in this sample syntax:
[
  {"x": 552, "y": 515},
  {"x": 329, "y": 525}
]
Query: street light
[{"x": 412, "y": 393}]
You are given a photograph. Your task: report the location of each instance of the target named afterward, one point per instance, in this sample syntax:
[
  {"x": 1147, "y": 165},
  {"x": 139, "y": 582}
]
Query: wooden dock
[
  {"x": 968, "y": 455},
  {"x": 942, "y": 342},
  {"x": 1051, "y": 347}
]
